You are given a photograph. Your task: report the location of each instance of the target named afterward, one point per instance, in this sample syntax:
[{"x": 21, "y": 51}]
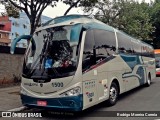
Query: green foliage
[
  {"x": 85, "y": 4},
  {"x": 127, "y": 15},
  {"x": 155, "y": 17},
  {"x": 11, "y": 11},
  {"x": 137, "y": 21}
]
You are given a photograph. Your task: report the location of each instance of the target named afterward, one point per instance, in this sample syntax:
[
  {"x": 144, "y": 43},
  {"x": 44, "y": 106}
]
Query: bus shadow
[
  {"x": 133, "y": 91},
  {"x": 95, "y": 111}
]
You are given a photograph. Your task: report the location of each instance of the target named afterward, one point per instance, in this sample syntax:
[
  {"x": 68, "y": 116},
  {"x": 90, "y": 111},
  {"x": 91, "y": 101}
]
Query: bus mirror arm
[{"x": 16, "y": 40}]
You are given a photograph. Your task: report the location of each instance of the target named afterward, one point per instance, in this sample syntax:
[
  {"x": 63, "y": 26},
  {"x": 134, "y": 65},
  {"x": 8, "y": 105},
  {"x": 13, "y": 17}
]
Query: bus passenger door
[
  {"x": 89, "y": 70},
  {"x": 89, "y": 88},
  {"x": 90, "y": 75}
]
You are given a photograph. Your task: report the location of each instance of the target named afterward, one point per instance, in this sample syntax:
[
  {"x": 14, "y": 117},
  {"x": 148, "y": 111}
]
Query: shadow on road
[{"x": 133, "y": 91}]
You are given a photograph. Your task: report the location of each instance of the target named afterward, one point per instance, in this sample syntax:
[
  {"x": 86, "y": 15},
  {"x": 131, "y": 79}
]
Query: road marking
[{"x": 17, "y": 109}]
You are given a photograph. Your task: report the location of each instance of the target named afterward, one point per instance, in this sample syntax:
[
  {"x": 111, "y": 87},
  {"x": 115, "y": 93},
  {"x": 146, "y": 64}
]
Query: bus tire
[
  {"x": 113, "y": 94},
  {"x": 148, "y": 83}
]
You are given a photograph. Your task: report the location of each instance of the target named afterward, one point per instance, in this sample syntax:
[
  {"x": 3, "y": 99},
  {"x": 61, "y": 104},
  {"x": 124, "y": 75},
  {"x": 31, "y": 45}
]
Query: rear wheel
[
  {"x": 113, "y": 94},
  {"x": 148, "y": 83}
]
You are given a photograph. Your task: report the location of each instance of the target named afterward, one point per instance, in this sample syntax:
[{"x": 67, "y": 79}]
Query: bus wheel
[
  {"x": 113, "y": 94},
  {"x": 148, "y": 81}
]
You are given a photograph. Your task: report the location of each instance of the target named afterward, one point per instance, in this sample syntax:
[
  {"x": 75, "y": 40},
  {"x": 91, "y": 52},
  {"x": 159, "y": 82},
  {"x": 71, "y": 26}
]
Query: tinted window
[
  {"x": 124, "y": 44},
  {"x": 55, "y": 55},
  {"x": 151, "y": 52},
  {"x": 88, "y": 53},
  {"x": 105, "y": 43},
  {"x": 129, "y": 45},
  {"x": 99, "y": 44},
  {"x": 147, "y": 51},
  {"x": 136, "y": 46}
]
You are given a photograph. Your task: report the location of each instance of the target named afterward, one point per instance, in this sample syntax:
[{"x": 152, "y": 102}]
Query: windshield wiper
[{"x": 44, "y": 54}]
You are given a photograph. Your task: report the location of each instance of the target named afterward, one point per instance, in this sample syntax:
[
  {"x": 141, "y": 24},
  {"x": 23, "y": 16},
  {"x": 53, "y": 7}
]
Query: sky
[
  {"x": 60, "y": 10},
  {"x": 56, "y": 11}
]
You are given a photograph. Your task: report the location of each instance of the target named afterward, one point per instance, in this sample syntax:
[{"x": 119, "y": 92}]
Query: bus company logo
[
  {"x": 41, "y": 81},
  {"x": 31, "y": 84},
  {"x": 90, "y": 94}
]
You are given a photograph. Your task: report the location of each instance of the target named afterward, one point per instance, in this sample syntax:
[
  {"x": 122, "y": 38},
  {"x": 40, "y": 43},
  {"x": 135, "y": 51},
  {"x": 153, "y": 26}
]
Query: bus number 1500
[{"x": 57, "y": 84}]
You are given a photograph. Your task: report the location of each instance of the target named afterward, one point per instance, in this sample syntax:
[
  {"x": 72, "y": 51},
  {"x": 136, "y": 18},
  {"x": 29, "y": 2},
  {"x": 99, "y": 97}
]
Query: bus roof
[{"x": 85, "y": 21}]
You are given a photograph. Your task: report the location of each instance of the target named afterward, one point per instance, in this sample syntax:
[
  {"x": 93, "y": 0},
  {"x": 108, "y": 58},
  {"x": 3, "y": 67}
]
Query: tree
[
  {"x": 32, "y": 8},
  {"x": 11, "y": 11},
  {"x": 108, "y": 11},
  {"x": 79, "y": 3},
  {"x": 137, "y": 20},
  {"x": 155, "y": 18},
  {"x": 127, "y": 15}
]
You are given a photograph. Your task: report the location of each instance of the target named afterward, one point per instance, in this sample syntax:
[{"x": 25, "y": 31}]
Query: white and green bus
[{"x": 76, "y": 62}]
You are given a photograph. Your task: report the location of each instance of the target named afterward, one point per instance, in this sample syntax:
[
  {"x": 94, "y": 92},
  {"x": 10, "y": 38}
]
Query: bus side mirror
[{"x": 14, "y": 43}]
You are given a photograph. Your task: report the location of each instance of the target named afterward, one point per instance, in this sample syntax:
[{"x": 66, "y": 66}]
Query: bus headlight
[{"x": 72, "y": 92}]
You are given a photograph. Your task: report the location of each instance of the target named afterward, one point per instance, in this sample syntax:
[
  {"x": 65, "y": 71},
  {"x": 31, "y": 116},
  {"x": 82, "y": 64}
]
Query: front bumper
[{"x": 73, "y": 103}]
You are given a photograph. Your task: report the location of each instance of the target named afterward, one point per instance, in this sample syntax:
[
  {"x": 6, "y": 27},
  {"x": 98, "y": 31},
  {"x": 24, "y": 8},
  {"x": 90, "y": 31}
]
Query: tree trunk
[
  {"x": 32, "y": 29},
  {"x": 73, "y": 5}
]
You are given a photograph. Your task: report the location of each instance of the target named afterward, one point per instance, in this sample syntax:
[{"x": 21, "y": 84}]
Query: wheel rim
[{"x": 113, "y": 94}]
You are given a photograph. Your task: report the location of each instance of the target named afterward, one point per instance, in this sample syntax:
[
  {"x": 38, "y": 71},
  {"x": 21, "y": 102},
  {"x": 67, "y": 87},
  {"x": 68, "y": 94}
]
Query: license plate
[{"x": 42, "y": 103}]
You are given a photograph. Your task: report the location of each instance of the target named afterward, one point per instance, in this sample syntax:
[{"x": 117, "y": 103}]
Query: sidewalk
[{"x": 9, "y": 98}]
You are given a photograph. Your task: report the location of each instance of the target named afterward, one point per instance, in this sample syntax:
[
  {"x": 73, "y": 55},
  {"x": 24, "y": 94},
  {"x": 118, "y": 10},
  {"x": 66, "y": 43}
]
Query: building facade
[
  {"x": 20, "y": 26},
  {"x": 5, "y": 30}
]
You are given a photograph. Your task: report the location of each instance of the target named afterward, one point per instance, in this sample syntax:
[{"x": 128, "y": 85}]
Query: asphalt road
[{"x": 140, "y": 101}]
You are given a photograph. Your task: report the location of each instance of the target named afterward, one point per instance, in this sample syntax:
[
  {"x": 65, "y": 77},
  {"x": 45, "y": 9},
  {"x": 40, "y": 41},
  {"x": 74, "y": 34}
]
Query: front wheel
[{"x": 113, "y": 94}]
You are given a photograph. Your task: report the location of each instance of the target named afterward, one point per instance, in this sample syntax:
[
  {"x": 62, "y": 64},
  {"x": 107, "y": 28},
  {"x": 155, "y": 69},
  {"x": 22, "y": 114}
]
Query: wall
[{"x": 10, "y": 68}]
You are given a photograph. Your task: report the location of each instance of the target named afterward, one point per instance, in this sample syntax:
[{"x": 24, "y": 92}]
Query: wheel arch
[{"x": 115, "y": 80}]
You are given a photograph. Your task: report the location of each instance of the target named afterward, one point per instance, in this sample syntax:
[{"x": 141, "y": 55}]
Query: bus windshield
[{"x": 55, "y": 55}]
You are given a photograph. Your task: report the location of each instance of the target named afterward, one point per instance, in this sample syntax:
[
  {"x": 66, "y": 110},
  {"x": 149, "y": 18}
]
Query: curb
[{"x": 17, "y": 109}]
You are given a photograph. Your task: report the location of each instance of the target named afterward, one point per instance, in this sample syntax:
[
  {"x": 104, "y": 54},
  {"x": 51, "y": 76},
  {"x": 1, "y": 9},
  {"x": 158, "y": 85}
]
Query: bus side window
[
  {"x": 136, "y": 47},
  {"x": 124, "y": 44},
  {"x": 105, "y": 44},
  {"x": 89, "y": 51}
]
